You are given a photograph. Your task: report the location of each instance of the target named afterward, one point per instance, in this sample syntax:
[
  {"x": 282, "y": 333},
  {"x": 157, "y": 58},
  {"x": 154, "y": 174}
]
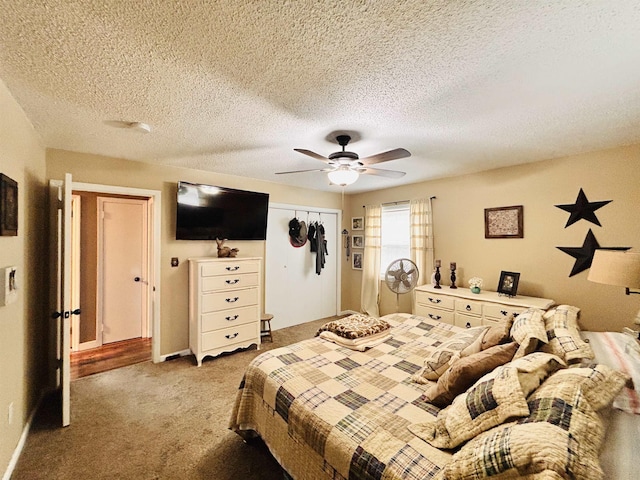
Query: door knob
[{"x": 136, "y": 279}]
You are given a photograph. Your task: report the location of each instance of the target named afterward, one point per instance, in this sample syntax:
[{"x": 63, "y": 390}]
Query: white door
[
  {"x": 60, "y": 218},
  {"x": 294, "y": 292},
  {"x": 124, "y": 275}
]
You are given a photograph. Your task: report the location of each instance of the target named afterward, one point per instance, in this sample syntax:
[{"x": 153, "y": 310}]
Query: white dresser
[
  {"x": 224, "y": 304},
  {"x": 462, "y": 308}
]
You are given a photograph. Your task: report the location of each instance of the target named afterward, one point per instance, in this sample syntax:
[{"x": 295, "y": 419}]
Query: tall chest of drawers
[
  {"x": 462, "y": 308},
  {"x": 224, "y": 305}
]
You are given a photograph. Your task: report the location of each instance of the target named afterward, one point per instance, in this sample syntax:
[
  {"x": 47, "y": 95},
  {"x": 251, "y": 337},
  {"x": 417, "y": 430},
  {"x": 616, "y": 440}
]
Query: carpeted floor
[{"x": 153, "y": 421}]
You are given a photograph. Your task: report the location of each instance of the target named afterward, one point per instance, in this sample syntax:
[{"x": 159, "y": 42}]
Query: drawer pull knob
[
  {"x": 231, "y": 318},
  {"x": 232, "y": 269},
  {"x": 232, "y": 282},
  {"x": 434, "y": 300},
  {"x": 232, "y": 300},
  {"x": 468, "y": 325},
  {"x": 434, "y": 317},
  {"x": 468, "y": 308},
  {"x": 503, "y": 312},
  {"x": 233, "y": 335}
]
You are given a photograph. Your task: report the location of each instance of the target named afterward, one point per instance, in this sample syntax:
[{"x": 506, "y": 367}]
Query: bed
[{"x": 326, "y": 411}]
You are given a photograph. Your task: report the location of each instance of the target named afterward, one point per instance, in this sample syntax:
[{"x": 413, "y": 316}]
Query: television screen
[{"x": 206, "y": 212}]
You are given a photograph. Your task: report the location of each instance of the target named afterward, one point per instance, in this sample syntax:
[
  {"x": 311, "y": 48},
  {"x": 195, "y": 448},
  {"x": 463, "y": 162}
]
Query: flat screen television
[{"x": 207, "y": 212}]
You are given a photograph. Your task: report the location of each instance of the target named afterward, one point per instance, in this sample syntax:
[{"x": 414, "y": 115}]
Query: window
[{"x": 395, "y": 233}]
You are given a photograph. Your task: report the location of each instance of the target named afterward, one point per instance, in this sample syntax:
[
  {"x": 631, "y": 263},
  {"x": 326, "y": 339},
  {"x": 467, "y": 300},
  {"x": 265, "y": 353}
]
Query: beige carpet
[{"x": 153, "y": 421}]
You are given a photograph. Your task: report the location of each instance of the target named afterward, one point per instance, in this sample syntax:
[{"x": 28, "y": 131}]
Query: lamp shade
[
  {"x": 343, "y": 176},
  {"x": 614, "y": 267}
]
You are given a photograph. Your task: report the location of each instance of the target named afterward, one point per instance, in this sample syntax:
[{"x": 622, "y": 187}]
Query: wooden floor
[{"x": 110, "y": 356}]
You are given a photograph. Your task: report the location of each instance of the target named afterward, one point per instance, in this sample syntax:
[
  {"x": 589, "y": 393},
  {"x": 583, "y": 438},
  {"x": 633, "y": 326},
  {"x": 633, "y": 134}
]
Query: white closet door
[{"x": 294, "y": 293}]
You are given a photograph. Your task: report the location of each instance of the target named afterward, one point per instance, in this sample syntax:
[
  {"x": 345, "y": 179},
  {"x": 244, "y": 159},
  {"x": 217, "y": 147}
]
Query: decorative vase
[{"x": 475, "y": 289}]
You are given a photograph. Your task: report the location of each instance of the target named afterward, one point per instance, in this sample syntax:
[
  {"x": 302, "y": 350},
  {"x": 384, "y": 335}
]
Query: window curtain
[
  {"x": 369, "y": 297},
  {"x": 421, "y": 238}
]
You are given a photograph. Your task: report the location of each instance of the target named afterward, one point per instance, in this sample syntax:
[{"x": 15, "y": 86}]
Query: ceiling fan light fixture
[{"x": 343, "y": 176}]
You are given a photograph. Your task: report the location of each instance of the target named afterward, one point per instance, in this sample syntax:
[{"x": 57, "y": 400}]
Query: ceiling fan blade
[
  {"x": 301, "y": 171},
  {"x": 381, "y": 173},
  {"x": 315, "y": 155},
  {"x": 386, "y": 156}
]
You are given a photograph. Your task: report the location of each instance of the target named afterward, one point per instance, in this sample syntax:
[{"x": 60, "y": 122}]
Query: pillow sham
[
  {"x": 495, "y": 398},
  {"x": 563, "y": 333},
  {"x": 494, "y": 335},
  {"x": 464, "y": 372},
  {"x": 443, "y": 356},
  {"x": 528, "y": 330},
  {"x": 561, "y": 437}
]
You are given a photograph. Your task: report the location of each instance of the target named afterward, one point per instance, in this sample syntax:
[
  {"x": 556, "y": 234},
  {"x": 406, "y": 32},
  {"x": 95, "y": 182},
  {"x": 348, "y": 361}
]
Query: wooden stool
[{"x": 265, "y": 326}]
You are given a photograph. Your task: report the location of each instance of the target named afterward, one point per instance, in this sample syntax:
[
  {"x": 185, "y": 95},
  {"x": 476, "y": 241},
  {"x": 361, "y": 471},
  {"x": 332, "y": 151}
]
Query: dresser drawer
[
  {"x": 427, "y": 311},
  {"x": 226, "y": 282},
  {"x": 229, "y": 336},
  {"x": 441, "y": 301},
  {"x": 467, "y": 321},
  {"x": 211, "y": 302},
  {"x": 468, "y": 307},
  {"x": 231, "y": 267},
  {"x": 502, "y": 311},
  {"x": 228, "y": 318}
]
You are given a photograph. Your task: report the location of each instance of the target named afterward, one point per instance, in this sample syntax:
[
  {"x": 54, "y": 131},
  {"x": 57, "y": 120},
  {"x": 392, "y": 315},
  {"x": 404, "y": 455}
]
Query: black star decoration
[
  {"x": 583, "y": 209},
  {"x": 584, "y": 254}
]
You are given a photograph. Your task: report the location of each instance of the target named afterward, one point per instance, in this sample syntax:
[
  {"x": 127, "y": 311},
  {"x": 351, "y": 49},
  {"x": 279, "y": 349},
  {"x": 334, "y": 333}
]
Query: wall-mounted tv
[{"x": 207, "y": 212}]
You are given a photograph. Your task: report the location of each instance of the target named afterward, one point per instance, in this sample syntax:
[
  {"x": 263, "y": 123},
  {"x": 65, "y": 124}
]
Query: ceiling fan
[{"x": 344, "y": 167}]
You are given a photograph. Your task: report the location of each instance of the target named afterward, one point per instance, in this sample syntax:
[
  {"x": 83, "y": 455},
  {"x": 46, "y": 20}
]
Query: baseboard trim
[{"x": 23, "y": 439}]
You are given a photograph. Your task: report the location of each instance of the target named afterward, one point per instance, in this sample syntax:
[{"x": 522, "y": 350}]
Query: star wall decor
[
  {"x": 584, "y": 254},
  {"x": 583, "y": 209}
]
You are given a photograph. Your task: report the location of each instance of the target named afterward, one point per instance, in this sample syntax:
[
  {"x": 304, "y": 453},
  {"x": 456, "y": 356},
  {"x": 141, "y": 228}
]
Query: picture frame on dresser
[{"x": 508, "y": 283}]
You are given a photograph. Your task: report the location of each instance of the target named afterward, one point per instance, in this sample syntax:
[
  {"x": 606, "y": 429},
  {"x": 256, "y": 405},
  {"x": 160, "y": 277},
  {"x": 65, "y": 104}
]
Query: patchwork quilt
[{"x": 326, "y": 411}]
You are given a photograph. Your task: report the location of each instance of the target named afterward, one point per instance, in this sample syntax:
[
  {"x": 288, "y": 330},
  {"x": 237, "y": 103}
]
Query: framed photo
[
  {"x": 503, "y": 222},
  {"x": 508, "y": 284},
  {"x": 357, "y": 223},
  {"x": 356, "y": 261},
  {"x": 8, "y": 206},
  {"x": 357, "y": 241}
]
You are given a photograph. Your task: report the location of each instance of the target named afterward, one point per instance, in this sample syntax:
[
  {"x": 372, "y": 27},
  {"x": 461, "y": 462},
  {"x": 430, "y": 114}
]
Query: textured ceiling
[{"x": 234, "y": 86}]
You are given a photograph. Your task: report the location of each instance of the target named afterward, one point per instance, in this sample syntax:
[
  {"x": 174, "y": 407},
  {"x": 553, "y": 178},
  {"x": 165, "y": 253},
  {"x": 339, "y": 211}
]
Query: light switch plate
[{"x": 8, "y": 285}]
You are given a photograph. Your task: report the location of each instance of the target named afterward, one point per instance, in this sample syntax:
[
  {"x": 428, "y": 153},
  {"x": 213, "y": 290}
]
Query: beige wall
[
  {"x": 458, "y": 212},
  {"x": 23, "y": 323},
  {"x": 174, "y": 281}
]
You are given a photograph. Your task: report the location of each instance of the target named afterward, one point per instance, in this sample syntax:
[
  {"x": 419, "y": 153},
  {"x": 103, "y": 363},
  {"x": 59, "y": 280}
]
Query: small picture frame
[
  {"x": 357, "y": 223},
  {"x": 504, "y": 222},
  {"x": 357, "y": 241},
  {"x": 508, "y": 284},
  {"x": 356, "y": 261},
  {"x": 8, "y": 207}
]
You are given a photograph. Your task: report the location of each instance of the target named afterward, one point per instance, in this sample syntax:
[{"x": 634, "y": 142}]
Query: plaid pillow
[
  {"x": 561, "y": 437},
  {"x": 495, "y": 398},
  {"x": 563, "y": 334},
  {"x": 528, "y": 330}
]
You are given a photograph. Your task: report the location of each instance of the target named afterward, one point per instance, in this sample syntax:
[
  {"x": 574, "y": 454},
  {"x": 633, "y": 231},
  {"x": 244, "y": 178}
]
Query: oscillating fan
[{"x": 401, "y": 277}]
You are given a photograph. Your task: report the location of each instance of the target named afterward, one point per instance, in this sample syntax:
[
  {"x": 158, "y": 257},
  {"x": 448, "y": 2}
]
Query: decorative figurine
[
  {"x": 453, "y": 275},
  {"x": 437, "y": 275}
]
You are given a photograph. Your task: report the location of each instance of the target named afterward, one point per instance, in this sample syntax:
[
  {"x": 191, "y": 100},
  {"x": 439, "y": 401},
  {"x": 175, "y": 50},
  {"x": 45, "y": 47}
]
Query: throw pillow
[
  {"x": 563, "y": 333},
  {"x": 561, "y": 437},
  {"x": 444, "y": 355},
  {"x": 465, "y": 371},
  {"x": 528, "y": 330},
  {"x": 495, "y": 398},
  {"x": 494, "y": 335}
]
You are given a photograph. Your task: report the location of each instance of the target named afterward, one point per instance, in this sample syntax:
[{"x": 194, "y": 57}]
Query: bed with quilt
[{"x": 528, "y": 398}]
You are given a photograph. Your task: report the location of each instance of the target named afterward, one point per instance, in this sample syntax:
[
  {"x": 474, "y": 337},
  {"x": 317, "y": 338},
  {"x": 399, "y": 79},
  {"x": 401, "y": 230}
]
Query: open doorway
[{"x": 115, "y": 277}]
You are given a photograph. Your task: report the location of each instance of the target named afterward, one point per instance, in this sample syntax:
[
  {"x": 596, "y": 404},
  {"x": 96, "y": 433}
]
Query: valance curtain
[{"x": 369, "y": 296}]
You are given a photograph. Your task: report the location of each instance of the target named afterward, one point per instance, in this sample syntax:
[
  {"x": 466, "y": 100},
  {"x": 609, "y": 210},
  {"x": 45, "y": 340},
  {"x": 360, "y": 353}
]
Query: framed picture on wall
[
  {"x": 503, "y": 222},
  {"x": 508, "y": 284},
  {"x": 356, "y": 261},
  {"x": 357, "y": 223},
  {"x": 357, "y": 241},
  {"x": 8, "y": 206}
]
